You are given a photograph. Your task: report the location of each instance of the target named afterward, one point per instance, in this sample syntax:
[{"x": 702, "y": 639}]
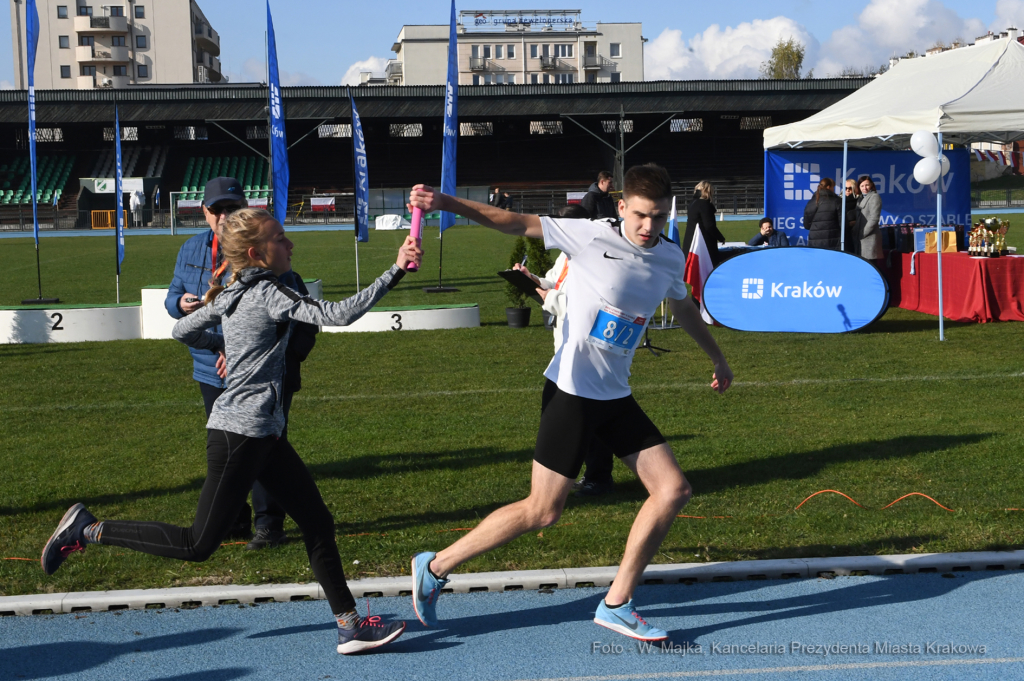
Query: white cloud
[
  {"x": 888, "y": 27},
  {"x": 732, "y": 52},
  {"x": 255, "y": 71},
  {"x": 374, "y": 64},
  {"x": 6, "y": 85},
  {"x": 1008, "y": 13}
]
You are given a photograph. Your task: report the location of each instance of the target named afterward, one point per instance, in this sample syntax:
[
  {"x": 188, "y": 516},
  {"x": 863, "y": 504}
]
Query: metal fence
[
  {"x": 997, "y": 198},
  {"x": 738, "y": 199},
  {"x": 19, "y": 219}
]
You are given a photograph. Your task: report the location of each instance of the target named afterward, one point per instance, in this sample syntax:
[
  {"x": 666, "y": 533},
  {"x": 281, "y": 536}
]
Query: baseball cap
[{"x": 223, "y": 189}]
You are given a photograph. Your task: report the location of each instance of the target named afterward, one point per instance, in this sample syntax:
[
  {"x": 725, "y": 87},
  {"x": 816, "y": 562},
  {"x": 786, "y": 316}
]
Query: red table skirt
[{"x": 973, "y": 289}]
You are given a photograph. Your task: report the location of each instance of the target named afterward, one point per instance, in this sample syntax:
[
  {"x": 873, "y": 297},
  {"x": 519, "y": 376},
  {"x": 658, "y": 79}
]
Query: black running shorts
[{"x": 568, "y": 424}]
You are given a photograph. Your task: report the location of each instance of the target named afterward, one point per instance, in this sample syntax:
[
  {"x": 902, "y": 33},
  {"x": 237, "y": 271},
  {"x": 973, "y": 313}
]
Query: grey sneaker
[{"x": 265, "y": 538}]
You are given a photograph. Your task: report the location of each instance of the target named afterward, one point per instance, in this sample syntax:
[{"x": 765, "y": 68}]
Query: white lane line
[
  {"x": 302, "y": 397},
  {"x": 790, "y": 670}
]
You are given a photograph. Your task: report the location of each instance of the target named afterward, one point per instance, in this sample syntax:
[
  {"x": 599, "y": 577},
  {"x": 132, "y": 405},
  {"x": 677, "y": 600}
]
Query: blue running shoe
[
  {"x": 626, "y": 621},
  {"x": 67, "y": 538},
  {"x": 425, "y": 589},
  {"x": 370, "y": 633}
]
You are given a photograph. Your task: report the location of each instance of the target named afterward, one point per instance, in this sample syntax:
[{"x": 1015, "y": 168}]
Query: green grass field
[{"x": 414, "y": 436}]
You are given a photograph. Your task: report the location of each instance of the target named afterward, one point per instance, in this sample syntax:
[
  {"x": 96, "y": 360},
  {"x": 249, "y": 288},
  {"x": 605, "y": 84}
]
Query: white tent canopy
[{"x": 970, "y": 94}]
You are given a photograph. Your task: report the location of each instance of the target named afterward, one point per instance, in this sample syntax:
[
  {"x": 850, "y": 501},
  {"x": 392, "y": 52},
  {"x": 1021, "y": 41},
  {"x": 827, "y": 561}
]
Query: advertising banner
[
  {"x": 32, "y": 34},
  {"x": 451, "y": 121},
  {"x": 118, "y": 191},
  {"x": 360, "y": 173},
  {"x": 321, "y": 204},
  {"x": 278, "y": 142},
  {"x": 792, "y": 177},
  {"x": 802, "y": 290}
]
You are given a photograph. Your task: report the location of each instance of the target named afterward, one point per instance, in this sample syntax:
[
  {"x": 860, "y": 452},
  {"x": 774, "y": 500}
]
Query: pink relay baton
[{"x": 414, "y": 232}]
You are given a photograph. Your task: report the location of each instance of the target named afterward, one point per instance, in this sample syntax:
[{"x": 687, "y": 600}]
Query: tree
[{"x": 786, "y": 61}]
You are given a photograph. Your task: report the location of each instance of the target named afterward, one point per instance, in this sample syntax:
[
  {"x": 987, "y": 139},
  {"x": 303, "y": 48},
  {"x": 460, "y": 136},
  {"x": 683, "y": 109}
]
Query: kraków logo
[
  {"x": 753, "y": 288},
  {"x": 797, "y": 178},
  {"x": 805, "y": 290}
]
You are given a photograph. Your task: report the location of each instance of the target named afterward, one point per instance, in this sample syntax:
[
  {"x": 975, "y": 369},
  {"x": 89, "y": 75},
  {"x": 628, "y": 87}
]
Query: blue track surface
[{"x": 533, "y": 635}]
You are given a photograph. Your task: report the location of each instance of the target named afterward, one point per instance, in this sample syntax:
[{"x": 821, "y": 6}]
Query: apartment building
[
  {"x": 84, "y": 45},
  {"x": 518, "y": 47}
]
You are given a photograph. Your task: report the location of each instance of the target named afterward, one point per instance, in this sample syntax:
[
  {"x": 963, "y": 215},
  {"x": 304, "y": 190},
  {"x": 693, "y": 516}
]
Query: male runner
[{"x": 619, "y": 278}]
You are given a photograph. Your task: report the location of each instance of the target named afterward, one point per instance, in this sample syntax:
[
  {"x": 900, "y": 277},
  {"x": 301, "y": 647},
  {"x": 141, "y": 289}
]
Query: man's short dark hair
[
  {"x": 764, "y": 220},
  {"x": 648, "y": 181},
  {"x": 604, "y": 175},
  {"x": 573, "y": 211}
]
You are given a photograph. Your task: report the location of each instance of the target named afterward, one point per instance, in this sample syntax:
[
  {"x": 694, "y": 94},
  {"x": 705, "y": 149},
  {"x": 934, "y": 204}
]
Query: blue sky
[{"x": 320, "y": 41}]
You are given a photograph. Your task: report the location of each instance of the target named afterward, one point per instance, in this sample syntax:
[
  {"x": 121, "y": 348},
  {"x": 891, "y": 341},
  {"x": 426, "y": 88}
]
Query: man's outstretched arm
[
  {"x": 428, "y": 200},
  {"x": 689, "y": 319}
]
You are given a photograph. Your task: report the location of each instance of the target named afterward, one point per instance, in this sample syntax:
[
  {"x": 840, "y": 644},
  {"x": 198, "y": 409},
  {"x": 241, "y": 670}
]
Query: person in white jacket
[{"x": 597, "y": 475}]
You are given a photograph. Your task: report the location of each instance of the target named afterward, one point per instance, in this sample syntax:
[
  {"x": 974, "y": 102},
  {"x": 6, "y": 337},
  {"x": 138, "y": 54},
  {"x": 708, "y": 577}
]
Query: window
[
  {"x": 476, "y": 79},
  {"x": 613, "y": 126},
  {"x": 755, "y": 122},
  {"x": 84, "y": 11},
  {"x": 563, "y": 50},
  {"x": 686, "y": 125},
  {"x": 545, "y": 127},
  {"x": 547, "y": 79},
  {"x": 533, "y": 51},
  {"x": 190, "y": 132},
  {"x": 545, "y": 50},
  {"x": 510, "y": 78},
  {"x": 497, "y": 52},
  {"x": 84, "y": 70},
  {"x": 143, "y": 71},
  {"x": 120, "y": 70},
  {"x": 334, "y": 130},
  {"x": 533, "y": 79},
  {"x": 140, "y": 11},
  {"x": 616, "y": 77},
  {"x": 474, "y": 51},
  {"x": 64, "y": 42},
  {"x": 117, "y": 11},
  {"x": 86, "y": 40},
  {"x": 405, "y": 129},
  {"x": 510, "y": 50},
  {"x": 65, "y": 72},
  {"x": 140, "y": 42},
  {"x": 256, "y": 132},
  {"x": 487, "y": 79},
  {"x": 62, "y": 11},
  {"x": 563, "y": 78},
  {"x": 591, "y": 77},
  {"x": 49, "y": 134},
  {"x": 128, "y": 134},
  {"x": 117, "y": 41},
  {"x": 615, "y": 49},
  {"x": 476, "y": 129},
  {"x": 487, "y": 51}
]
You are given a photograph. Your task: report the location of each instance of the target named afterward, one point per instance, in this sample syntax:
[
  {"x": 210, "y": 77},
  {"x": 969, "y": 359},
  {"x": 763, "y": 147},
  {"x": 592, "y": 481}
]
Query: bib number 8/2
[{"x": 616, "y": 331}]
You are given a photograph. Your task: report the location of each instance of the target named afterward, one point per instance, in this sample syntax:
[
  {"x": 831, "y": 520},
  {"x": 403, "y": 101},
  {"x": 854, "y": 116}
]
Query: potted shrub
[
  {"x": 518, "y": 314},
  {"x": 539, "y": 262}
]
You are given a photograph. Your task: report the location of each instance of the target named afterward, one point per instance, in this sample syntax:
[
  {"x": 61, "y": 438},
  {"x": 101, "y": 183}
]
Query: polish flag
[{"x": 698, "y": 267}]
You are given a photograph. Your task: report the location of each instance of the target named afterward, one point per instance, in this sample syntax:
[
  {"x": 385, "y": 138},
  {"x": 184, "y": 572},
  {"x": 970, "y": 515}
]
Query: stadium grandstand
[{"x": 535, "y": 141}]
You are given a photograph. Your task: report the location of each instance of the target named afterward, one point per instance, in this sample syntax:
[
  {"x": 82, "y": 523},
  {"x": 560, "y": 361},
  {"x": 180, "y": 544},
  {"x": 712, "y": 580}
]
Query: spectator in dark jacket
[
  {"x": 768, "y": 235},
  {"x": 850, "y": 226},
  {"x": 500, "y": 199},
  {"x": 597, "y": 201},
  {"x": 822, "y": 216},
  {"x": 702, "y": 211}
]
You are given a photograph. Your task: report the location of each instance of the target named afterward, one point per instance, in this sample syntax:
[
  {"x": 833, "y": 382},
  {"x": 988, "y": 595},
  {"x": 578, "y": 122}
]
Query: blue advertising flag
[
  {"x": 278, "y": 142},
  {"x": 118, "y": 196},
  {"x": 32, "y": 29},
  {"x": 362, "y": 182},
  {"x": 451, "y": 121}
]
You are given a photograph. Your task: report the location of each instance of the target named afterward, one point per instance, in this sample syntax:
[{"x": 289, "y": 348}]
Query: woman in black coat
[
  {"x": 702, "y": 211},
  {"x": 822, "y": 216}
]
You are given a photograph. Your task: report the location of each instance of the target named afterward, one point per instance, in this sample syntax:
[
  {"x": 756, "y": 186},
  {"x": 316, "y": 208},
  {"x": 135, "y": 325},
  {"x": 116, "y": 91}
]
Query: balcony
[
  {"x": 102, "y": 81},
  {"x": 477, "y": 63},
  {"x": 592, "y": 61},
  {"x": 101, "y": 54},
  {"x": 548, "y": 63},
  {"x": 101, "y": 24},
  {"x": 394, "y": 69},
  {"x": 214, "y": 72},
  {"x": 209, "y": 41}
]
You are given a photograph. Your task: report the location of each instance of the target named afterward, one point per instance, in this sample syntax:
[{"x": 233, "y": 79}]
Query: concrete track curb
[{"x": 568, "y": 578}]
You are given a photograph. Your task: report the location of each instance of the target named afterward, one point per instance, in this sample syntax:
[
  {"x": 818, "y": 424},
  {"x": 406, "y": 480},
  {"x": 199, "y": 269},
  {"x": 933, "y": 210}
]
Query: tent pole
[
  {"x": 842, "y": 212},
  {"x": 938, "y": 240}
]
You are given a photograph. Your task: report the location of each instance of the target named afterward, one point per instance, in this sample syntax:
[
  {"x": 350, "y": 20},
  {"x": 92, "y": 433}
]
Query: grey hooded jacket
[{"x": 256, "y": 313}]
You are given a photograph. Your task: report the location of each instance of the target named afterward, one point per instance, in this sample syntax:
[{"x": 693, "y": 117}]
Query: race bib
[{"x": 616, "y": 331}]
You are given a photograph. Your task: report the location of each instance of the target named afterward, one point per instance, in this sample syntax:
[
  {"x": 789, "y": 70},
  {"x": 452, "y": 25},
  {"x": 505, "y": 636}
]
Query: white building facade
[
  {"x": 84, "y": 45},
  {"x": 519, "y": 47}
]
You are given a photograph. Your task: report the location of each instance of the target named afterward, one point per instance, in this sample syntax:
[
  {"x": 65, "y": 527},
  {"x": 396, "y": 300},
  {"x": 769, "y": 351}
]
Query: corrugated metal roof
[{"x": 247, "y": 101}]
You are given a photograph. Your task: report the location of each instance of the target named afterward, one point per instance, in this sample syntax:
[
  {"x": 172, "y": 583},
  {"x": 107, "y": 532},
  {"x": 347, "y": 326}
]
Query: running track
[{"x": 536, "y": 635}]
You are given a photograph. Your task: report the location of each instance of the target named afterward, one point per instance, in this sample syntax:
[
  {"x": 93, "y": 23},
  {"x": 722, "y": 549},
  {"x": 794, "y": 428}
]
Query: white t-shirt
[{"x": 616, "y": 287}]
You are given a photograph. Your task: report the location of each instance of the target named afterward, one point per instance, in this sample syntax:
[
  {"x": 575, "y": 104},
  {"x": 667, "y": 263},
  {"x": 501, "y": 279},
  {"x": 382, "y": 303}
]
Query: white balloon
[
  {"x": 927, "y": 170},
  {"x": 945, "y": 165},
  {"x": 923, "y": 143}
]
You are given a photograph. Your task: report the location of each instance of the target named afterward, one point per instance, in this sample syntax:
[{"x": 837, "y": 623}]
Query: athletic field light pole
[
  {"x": 32, "y": 30},
  {"x": 451, "y": 138}
]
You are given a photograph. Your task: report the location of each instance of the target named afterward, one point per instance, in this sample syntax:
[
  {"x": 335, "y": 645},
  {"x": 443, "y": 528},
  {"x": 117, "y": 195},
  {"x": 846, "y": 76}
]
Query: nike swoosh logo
[
  {"x": 611, "y": 257},
  {"x": 632, "y": 625}
]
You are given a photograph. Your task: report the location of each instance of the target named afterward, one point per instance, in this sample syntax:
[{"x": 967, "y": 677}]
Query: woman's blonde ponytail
[{"x": 242, "y": 230}]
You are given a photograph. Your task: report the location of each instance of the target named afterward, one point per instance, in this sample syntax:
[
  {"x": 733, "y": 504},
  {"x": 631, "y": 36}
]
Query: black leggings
[{"x": 233, "y": 463}]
